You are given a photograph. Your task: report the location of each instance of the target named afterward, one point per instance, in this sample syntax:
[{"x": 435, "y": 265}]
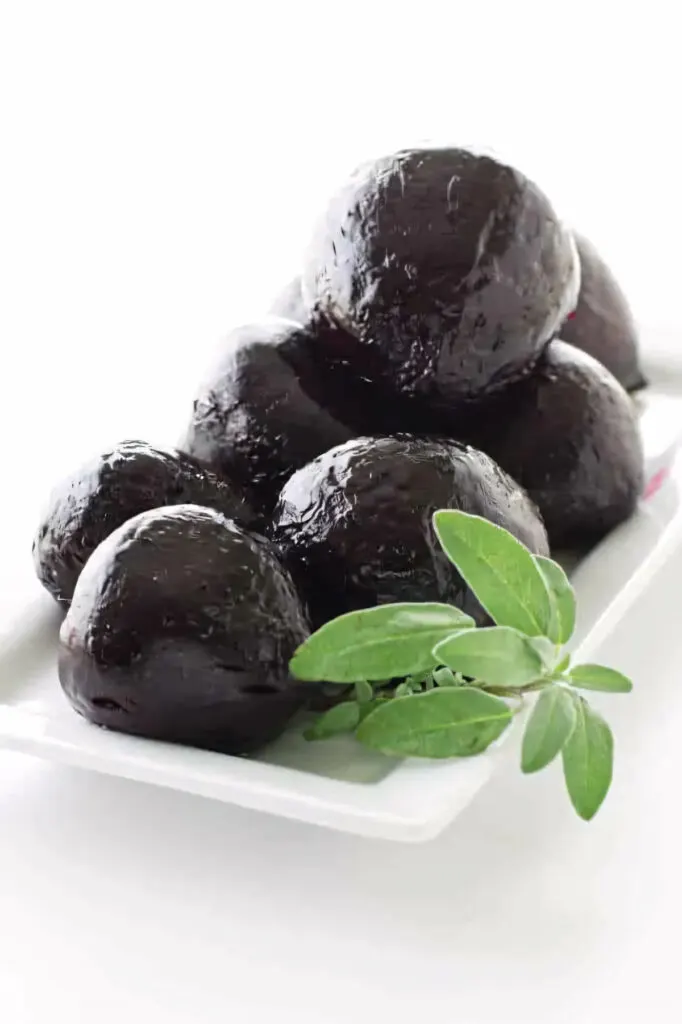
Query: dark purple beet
[
  {"x": 449, "y": 271},
  {"x": 257, "y": 416},
  {"x": 603, "y": 324},
  {"x": 281, "y": 393},
  {"x": 108, "y": 490},
  {"x": 569, "y": 434},
  {"x": 355, "y": 527},
  {"x": 181, "y": 629}
]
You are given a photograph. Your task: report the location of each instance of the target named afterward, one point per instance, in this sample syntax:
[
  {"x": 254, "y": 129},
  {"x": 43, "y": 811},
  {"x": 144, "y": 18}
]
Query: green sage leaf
[
  {"x": 562, "y": 597},
  {"x": 444, "y": 676},
  {"x": 339, "y": 719},
  {"x": 497, "y": 655},
  {"x": 391, "y": 641},
  {"x": 445, "y": 722},
  {"x": 502, "y": 573},
  {"x": 597, "y": 677},
  {"x": 588, "y": 760},
  {"x": 364, "y": 692},
  {"x": 367, "y": 709},
  {"x": 551, "y": 723}
]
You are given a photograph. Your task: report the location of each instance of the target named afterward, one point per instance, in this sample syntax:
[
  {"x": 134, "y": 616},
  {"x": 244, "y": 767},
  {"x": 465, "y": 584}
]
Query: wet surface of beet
[
  {"x": 450, "y": 270},
  {"x": 603, "y": 324},
  {"x": 87, "y": 506},
  {"x": 181, "y": 629},
  {"x": 355, "y": 526},
  {"x": 257, "y": 416},
  {"x": 569, "y": 434}
]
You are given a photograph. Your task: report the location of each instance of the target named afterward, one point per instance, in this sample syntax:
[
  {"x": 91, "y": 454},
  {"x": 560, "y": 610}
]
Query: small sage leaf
[
  {"x": 551, "y": 723},
  {"x": 502, "y": 573},
  {"x": 588, "y": 760},
  {"x": 562, "y": 595},
  {"x": 445, "y": 722},
  {"x": 444, "y": 676},
  {"x": 597, "y": 677},
  {"x": 496, "y": 655},
  {"x": 563, "y": 664},
  {"x": 390, "y": 641},
  {"x": 415, "y": 683},
  {"x": 546, "y": 650},
  {"x": 404, "y": 690},
  {"x": 367, "y": 709},
  {"x": 339, "y": 719},
  {"x": 364, "y": 692}
]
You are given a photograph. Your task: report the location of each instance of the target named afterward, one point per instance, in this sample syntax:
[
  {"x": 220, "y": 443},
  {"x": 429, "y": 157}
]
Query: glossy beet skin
[
  {"x": 280, "y": 394},
  {"x": 569, "y": 435},
  {"x": 255, "y": 418},
  {"x": 603, "y": 324},
  {"x": 450, "y": 269},
  {"x": 355, "y": 527},
  {"x": 181, "y": 629},
  {"x": 108, "y": 490}
]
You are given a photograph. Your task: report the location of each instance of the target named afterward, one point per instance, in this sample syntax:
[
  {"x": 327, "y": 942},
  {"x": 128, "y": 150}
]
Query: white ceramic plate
[{"x": 338, "y": 784}]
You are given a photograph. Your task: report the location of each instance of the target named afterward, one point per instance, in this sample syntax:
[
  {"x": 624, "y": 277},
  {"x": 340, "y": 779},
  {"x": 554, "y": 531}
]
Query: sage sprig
[{"x": 462, "y": 684}]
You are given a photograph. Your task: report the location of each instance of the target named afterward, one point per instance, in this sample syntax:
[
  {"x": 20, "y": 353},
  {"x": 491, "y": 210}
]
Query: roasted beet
[
  {"x": 181, "y": 629},
  {"x": 569, "y": 434},
  {"x": 257, "y": 416},
  {"x": 282, "y": 393},
  {"x": 355, "y": 527},
  {"x": 603, "y": 324},
  {"x": 111, "y": 488},
  {"x": 450, "y": 270}
]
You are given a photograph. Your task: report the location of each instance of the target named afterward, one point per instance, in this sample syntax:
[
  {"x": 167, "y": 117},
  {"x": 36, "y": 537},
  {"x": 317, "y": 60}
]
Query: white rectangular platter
[{"x": 337, "y": 784}]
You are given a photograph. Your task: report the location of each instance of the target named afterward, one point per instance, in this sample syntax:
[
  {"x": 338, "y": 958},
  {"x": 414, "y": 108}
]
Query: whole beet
[
  {"x": 568, "y": 433},
  {"x": 181, "y": 629},
  {"x": 450, "y": 270},
  {"x": 109, "y": 489},
  {"x": 603, "y": 324},
  {"x": 355, "y": 529}
]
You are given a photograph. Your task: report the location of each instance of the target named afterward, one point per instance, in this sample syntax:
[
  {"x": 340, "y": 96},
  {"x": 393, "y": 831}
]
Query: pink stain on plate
[{"x": 655, "y": 483}]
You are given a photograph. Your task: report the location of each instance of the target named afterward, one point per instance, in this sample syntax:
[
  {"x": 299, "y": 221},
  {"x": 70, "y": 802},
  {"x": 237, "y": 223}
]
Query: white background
[{"x": 160, "y": 164}]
